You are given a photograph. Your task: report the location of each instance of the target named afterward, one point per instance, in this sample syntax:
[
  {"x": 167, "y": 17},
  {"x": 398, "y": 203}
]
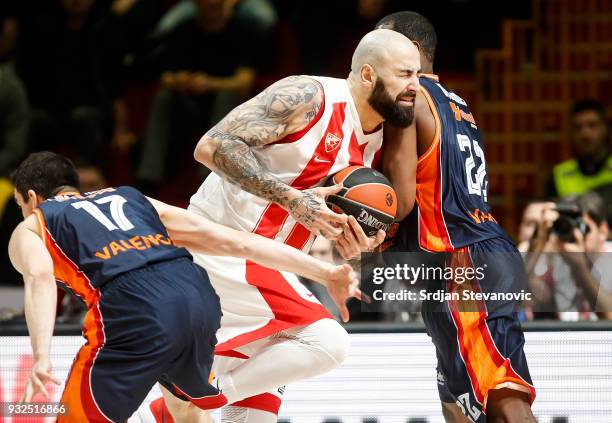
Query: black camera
[{"x": 570, "y": 218}]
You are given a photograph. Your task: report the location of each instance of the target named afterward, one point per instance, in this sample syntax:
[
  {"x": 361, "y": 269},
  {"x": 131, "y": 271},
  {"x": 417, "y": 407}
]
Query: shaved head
[
  {"x": 379, "y": 47},
  {"x": 384, "y": 72}
]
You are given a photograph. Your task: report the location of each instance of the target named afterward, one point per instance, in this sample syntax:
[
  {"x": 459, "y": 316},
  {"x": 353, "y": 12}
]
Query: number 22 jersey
[{"x": 452, "y": 177}]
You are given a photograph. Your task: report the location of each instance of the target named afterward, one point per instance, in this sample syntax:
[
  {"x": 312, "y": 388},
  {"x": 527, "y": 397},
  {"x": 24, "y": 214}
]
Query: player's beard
[{"x": 388, "y": 108}]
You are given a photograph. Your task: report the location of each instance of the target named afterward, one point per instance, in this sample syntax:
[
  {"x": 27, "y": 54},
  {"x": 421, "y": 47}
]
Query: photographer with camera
[{"x": 575, "y": 281}]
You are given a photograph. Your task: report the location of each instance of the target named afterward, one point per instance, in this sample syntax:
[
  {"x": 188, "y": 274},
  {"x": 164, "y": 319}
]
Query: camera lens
[{"x": 564, "y": 228}]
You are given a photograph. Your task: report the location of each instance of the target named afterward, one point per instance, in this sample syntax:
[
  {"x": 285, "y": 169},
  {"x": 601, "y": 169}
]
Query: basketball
[{"x": 366, "y": 195}]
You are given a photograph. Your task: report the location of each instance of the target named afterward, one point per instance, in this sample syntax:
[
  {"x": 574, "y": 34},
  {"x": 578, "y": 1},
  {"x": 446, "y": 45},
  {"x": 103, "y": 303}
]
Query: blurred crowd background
[{"x": 126, "y": 88}]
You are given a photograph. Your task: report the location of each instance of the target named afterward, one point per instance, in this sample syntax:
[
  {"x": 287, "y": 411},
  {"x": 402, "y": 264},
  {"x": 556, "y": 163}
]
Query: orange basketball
[{"x": 367, "y": 195}]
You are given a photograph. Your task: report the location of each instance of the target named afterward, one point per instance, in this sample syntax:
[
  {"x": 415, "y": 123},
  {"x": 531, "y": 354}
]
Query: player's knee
[
  {"x": 333, "y": 340},
  {"x": 340, "y": 348},
  {"x": 509, "y": 405}
]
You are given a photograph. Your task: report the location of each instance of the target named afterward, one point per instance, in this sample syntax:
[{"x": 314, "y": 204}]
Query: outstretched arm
[
  {"x": 30, "y": 257},
  {"x": 285, "y": 107},
  {"x": 201, "y": 235}
]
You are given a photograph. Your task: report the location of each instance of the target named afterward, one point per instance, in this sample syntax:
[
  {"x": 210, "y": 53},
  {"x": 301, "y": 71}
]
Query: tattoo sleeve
[{"x": 285, "y": 107}]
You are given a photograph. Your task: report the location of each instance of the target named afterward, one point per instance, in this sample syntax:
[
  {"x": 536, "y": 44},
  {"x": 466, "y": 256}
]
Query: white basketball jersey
[{"x": 332, "y": 141}]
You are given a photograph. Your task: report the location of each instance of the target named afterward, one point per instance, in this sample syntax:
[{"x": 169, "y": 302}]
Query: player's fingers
[
  {"x": 41, "y": 388},
  {"x": 358, "y": 294},
  {"x": 335, "y": 228},
  {"x": 342, "y": 242},
  {"x": 333, "y": 218},
  {"x": 344, "y": 313},
  {"x": 334, "y": 189},
  {"x": 330, "y": 232},
  {"x": 348, "y": 274},
  {"x": 27, "y": 393},
  {"x": 378, "y": 239},
  {"x": 49, "y": 377},
  {"x": 341, "y": 247},
  {"x": 350, "y": 236},
  {"x": 348, "y": 251},
  {"x": 349, "y": 254},
  {"x": 360, "y": 235},
  {"x": 352, "y": 275}
]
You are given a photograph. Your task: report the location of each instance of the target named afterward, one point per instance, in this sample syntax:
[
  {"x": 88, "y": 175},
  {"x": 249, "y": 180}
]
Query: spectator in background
[
  {"x": 91, "y": 177},
  {"x": 70, "y": 60},
  {"x": 208, "y": 68},
  {"x": 9, "y": 25},
  {"x": 339, "y": 27},
  {"x": 14, "y": 120},
  {"x": 132, "y": 23},
  {"x": 259, "y": 15},
  {"x": 14, "y": 108},
  {"x": 576, "y": 282},
  {"x": 591, "y": 166},
  {"x": 529, "y": 224},
  {"x": 14, "y": 125}
]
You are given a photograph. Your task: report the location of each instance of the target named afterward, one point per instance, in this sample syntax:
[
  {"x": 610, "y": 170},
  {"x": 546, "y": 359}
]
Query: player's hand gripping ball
[{"x": 366, "y": 195}]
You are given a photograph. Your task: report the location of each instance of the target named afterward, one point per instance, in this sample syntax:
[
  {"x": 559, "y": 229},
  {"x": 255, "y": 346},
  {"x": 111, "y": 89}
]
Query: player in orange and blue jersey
[
  {"x": 439, "y": 162},
  {"x": 152, "y": 313}
]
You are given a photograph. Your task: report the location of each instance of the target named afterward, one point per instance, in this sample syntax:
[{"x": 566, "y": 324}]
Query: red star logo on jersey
[{"x": 332, "y": 141}]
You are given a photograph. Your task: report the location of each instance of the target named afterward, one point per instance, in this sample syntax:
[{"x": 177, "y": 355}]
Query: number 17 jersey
[
  {"x": 452, "y": 181},
  {"x": 95, "y": 237}
]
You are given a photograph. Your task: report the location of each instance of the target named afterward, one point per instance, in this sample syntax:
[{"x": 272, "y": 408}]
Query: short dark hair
[
  {"x": 588, "y": 105},
  {"x": 45, "y": 173},
  {"x": 594, "y": 206},
  {"x": 415, "y": 27}
]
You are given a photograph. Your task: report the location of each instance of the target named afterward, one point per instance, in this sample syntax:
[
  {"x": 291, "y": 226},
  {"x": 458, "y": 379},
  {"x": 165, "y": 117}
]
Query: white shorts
[{"x": 257, "y": 301}]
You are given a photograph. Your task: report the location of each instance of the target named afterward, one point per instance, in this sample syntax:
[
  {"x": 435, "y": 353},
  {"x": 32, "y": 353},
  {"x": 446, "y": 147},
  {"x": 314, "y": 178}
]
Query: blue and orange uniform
[
  {"x": 151, "y": 315},
  {"x": 479, "y": 344}
]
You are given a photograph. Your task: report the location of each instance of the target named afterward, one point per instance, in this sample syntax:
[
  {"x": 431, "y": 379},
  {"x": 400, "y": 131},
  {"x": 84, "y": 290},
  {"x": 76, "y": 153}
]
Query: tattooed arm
[{"x": 285, "y": 107}]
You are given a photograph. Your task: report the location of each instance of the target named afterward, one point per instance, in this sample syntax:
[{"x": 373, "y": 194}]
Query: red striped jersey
[
  {"x": 333, "y": 140},
  {"x": 452, "y": 177}
]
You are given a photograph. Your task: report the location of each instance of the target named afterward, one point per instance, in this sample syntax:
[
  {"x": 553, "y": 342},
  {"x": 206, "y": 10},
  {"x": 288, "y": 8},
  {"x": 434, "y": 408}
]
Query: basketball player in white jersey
[{"x": 268, "y": 156}]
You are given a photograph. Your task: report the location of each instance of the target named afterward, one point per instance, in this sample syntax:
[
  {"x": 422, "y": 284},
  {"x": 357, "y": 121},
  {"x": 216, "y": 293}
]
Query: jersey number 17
[{"x": 116, "y": 203}]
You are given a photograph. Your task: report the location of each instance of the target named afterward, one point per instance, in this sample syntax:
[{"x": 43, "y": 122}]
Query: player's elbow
[
  {"x": 39, "y": 275},
  {"x": 241, "y": 245},
  {"x": 204, "y": 151},
  {"x": 404, "y": 207},
  {"x": 233, "y": 243}
]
